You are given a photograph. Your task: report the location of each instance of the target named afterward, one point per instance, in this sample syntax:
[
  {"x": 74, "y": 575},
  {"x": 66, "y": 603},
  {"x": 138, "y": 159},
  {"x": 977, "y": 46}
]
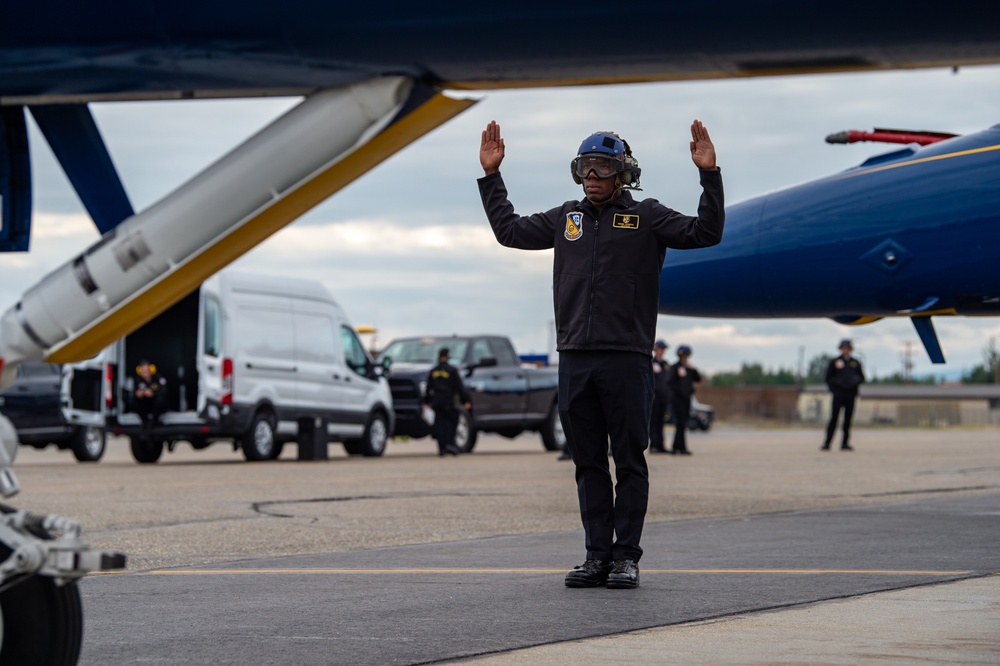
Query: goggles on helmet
[{"x": 602, "y": 165}]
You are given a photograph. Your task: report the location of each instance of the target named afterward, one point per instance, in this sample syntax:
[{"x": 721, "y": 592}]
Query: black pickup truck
[
  {"x": 507, "y": 397},
  {"x": 61, "y": 405}
]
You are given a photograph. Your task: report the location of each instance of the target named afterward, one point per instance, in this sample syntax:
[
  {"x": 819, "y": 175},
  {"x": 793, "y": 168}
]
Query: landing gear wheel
[
  {"x": 88, "y": 443},
  {"x": 553, "y": 435},
  {"x": 465, "y": 433},
  {"x": 146, "y": 450},
  {"x": 259, "y": 442},
  {"x": 372, "y": 443},
  {"x": 42, "y": 622}
]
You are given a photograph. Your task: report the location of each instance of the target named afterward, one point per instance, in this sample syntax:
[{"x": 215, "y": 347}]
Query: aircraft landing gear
[{"x": 42, "y": 622}]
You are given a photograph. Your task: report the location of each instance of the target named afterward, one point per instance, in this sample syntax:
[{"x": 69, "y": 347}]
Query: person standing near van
[
  {"x": 843, "y": 375},
  {"x": 683, "y": 377},
  {"x": 150, "y": 393},
  {"x": 444, "y": 390}
]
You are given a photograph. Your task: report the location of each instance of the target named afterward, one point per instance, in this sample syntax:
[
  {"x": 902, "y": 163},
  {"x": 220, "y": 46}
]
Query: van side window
[
  {"x": 266, "y": 333},
  {"x": 354, "y": 352},
  {"x": 213, "y": 327},
  {"x": 314, "y": 338}
]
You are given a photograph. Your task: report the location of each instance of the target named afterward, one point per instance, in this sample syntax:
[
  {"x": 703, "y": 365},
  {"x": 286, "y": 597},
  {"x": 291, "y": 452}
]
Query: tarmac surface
[{"x": 759, "y": 549}]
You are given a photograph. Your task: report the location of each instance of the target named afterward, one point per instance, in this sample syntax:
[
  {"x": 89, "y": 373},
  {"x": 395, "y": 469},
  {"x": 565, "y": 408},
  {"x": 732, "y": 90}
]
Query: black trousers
[
  {"x": 445, "y": 424},
  {"x": 607, "y": 395},
  {"x": 682, "y": 412},
  {"x": 842, "y": 401},
  {"x": 148, "y": 409},
  {"x": 658, "y": 411}
]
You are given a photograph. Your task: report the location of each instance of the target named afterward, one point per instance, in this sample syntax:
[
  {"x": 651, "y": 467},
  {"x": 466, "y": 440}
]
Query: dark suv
[{"x": 44, "y": 413}]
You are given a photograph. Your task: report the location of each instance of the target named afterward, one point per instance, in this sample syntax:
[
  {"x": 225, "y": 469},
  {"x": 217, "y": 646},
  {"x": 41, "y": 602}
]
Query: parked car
[
  {"x": 60, "y": 405},
  {"x": 507, "y": 397},
  {"x": 245, "y": 357},
  {"x": 702, "y": 416}
]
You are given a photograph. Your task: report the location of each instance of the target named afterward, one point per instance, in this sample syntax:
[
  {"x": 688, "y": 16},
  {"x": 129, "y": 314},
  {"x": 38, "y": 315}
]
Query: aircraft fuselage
[{"x": 912, "y": 231}]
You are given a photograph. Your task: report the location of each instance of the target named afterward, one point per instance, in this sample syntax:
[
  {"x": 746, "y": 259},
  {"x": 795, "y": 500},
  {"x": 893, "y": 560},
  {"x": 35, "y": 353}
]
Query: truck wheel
[
  {"x": 145, "y": 450},
  {"x": 465, "y": 433},
  {"x": 259, "y": 442},
  {"x": 42, "y": 622},
  {"x": 88, "y": 443},
  {"x": 372, "y": 443},
  {"x": 553, "y": 435},
  {"x": 696, "y": 423}
]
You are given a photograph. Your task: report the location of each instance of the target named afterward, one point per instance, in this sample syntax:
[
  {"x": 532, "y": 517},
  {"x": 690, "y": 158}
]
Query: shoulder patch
[
  {"x": 574, "y": 226},
  {"x": 623, "y": 221}
]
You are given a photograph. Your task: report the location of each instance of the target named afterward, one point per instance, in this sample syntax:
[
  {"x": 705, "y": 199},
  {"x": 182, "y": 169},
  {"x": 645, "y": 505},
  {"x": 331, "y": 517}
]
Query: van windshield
[{"x": 424, "y": 350}]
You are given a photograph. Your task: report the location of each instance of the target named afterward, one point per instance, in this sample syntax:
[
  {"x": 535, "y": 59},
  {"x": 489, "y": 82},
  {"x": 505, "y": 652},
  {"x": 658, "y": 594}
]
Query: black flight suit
[
  {"x": 682, "y": 380},
  {"x": 606, "y": 288},
  {"x": 661, "y": 399},
  {"x": 444, "y": 390},
  {"x": 150, "y": 408},
  {"x": 843, "y": 376}
]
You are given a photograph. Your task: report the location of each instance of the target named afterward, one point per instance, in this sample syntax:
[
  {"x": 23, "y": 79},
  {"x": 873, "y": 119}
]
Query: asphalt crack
[{"x": 263, "y": 508}]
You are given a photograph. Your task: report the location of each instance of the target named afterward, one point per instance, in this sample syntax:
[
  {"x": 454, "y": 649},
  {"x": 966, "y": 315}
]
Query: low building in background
[{"x": 910, "y": 404}]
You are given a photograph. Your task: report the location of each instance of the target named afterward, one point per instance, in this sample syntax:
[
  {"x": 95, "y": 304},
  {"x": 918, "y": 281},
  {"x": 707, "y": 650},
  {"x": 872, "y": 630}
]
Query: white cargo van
[{"x": 245, "y": 357}]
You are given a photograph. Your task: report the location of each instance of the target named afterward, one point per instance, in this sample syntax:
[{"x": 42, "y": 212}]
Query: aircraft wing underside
[{"x": 67, "y": 52}]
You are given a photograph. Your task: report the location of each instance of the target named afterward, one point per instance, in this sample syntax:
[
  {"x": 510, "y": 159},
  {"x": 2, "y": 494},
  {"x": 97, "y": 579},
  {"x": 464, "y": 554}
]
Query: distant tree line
[
  {"x": 987, "y": 372},
  {"x": 755, "y": 374}
]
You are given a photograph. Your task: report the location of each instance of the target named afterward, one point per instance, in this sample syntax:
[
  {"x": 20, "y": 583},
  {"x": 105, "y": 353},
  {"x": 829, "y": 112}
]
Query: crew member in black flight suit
[
  {"x": 683, "y": 377},
  {"x": 843, "y": 375},
  {"x": 609, "y": 249},
  {"x": 150, "y": 393},
  {"x": 661, "y": 397},
  {"x": 444, "y": 390}
]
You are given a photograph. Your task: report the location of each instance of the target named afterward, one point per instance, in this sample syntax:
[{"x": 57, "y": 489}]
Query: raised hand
[
  {"x": 702, "y": 148},
  {"x": 491, "y": 150}
]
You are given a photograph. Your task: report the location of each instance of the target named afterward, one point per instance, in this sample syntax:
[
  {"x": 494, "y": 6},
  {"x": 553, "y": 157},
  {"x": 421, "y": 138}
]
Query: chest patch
[
  {"x": 623, "y": 221},
  {"x": 574, "y": 226}
]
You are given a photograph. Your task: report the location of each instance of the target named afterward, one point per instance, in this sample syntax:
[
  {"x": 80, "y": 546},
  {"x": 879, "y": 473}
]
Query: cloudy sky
[{"x": 407, "y": 248}]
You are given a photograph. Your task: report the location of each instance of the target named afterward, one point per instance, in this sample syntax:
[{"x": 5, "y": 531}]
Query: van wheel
[
  {"x": 146, "y": 450},
  {"x": 553, "y": 435},
  {"x": 88, "y": 443},
  {"x": 372, "y": 443},
  {"x": 259, "y": 442},
  {"x": 465, "y": 433},
  {"x": 42, "y": 622}
]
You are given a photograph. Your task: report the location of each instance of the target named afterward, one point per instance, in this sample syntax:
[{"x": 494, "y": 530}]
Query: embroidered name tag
[{"x": 623, "y": 221}]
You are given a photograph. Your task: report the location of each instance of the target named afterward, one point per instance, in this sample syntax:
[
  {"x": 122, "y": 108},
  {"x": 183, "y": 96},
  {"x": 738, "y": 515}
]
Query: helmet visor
[{"x": 603, "y": 166}]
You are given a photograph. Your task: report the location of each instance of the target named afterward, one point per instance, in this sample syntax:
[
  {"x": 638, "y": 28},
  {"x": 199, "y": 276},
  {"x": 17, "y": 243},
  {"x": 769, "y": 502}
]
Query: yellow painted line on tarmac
[{"x": 873, "y": 572}]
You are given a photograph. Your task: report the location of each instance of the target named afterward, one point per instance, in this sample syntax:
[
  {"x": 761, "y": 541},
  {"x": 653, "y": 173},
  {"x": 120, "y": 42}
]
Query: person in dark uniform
[
  {"x": 682, "y": 380},
  {"x": 444, "y": 390},
  {"x": 150, "y": 393},
  {"x": 843, "y": 375},
  {"x": 661, "y": 398},
  {"x": 609, "y": 250}
]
